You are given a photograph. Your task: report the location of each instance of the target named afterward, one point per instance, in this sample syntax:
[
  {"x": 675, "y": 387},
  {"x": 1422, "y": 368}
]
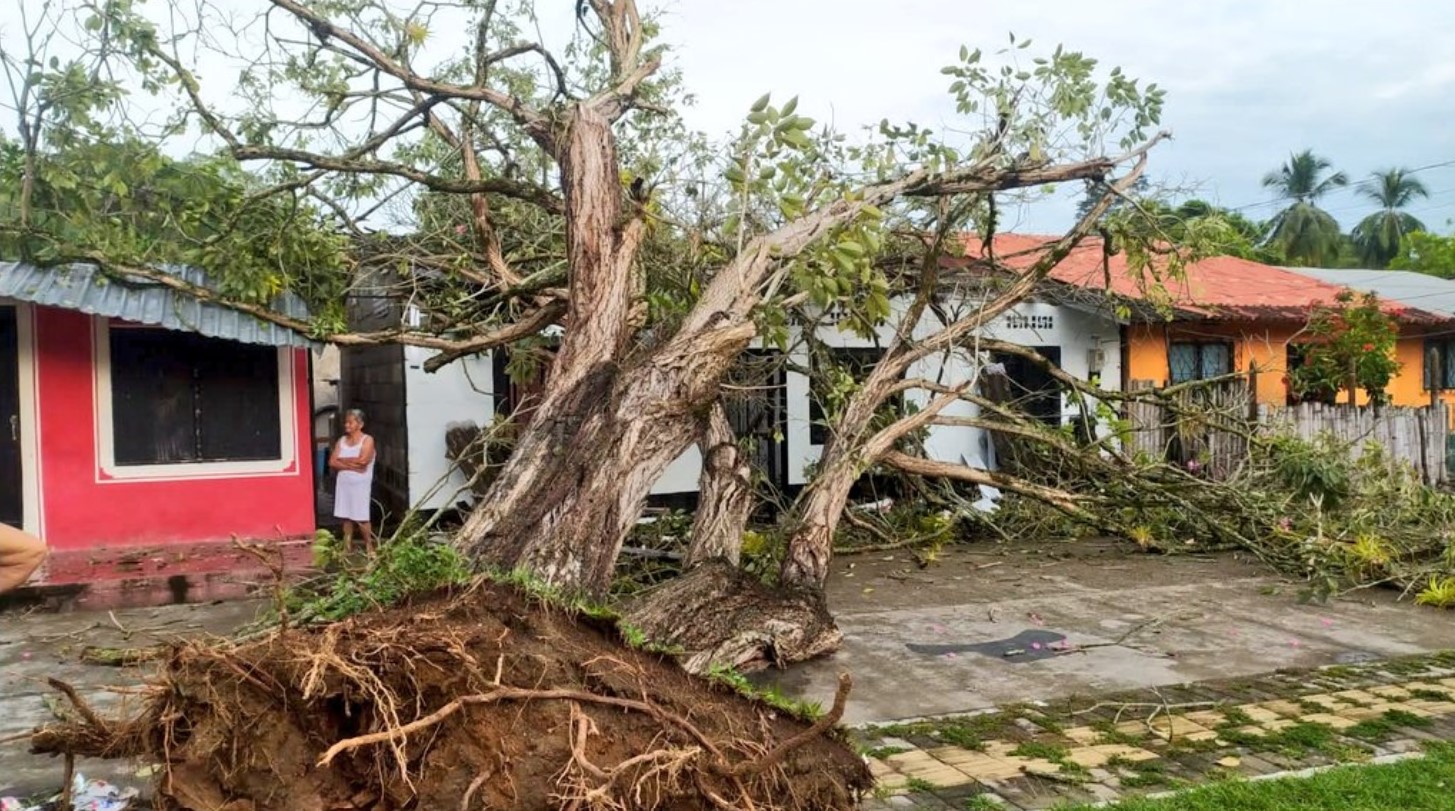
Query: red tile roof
[{"x": 1223, "y": 288}]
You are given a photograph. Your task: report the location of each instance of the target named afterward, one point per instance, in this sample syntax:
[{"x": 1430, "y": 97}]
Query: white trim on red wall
[
  {"x": 31, "y": 497},
  {"x": 108, "y": 472}
]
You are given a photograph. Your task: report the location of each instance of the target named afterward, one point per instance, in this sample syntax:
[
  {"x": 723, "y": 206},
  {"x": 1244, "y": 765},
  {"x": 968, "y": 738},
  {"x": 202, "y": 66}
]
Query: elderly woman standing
[{"x": 353, "y": 458}]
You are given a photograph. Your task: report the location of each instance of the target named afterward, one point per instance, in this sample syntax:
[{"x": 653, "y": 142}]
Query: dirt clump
[{"x": 490, "y": 699}]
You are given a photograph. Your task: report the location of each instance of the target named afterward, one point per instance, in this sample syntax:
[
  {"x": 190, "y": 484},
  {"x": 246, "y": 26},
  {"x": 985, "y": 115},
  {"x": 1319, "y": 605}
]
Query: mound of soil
[{"x": 490, "y": 699}]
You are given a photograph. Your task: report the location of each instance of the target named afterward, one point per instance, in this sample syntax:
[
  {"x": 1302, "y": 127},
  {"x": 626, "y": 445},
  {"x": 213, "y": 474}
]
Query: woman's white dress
[{"x": 353, "y": 487}]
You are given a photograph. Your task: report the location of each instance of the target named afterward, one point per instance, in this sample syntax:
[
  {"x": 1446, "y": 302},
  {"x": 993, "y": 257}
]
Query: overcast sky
[{"x": 1368, "y": 85}]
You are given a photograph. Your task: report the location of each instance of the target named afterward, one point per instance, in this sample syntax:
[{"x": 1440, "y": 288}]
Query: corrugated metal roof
[
  {"x": 1414, "y": 289},
  {"x": 84, "y": 289}
]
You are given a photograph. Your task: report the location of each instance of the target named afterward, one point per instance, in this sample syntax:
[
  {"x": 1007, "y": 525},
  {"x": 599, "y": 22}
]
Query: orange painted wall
[
  {"x": 1267, "y": 347},
  {"x": 1408, "y": 387}
]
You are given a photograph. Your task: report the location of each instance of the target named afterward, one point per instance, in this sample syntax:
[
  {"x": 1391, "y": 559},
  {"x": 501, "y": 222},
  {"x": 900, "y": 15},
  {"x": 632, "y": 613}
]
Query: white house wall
[
  {"x": 680, "y": 476},
  {"x": 460, "y": 392},
  {"x": 463, "y": 392},
  {"x": 1031, "y": 324}
]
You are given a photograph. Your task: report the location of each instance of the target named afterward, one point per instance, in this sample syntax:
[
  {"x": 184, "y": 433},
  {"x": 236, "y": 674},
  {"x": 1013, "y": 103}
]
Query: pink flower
[{"x": 460, "y": 230}]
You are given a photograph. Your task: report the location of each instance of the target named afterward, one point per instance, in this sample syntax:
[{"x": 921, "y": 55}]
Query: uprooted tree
[
  {"x": 534, "y": 189},
  {"x": 521, "y": 190}
]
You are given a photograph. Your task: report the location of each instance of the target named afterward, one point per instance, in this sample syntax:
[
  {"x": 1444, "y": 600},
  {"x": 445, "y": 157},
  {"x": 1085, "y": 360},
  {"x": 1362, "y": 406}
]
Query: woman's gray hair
[{"x": 356, "y": 413}]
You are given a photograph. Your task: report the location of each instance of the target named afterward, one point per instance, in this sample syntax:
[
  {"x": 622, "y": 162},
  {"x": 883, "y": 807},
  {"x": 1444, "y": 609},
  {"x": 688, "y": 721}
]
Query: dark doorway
[
  {"x": 1028, "y": 388},
  {"x": 1032, "y": 389},
  {"x": 519, "y": 381},
  {"x": 11, "y": 503},
  {"x": 756, "y": 401}
]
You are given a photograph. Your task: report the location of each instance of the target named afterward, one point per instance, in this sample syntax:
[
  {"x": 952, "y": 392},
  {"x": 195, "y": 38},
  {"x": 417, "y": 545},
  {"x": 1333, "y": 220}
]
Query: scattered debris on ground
[
  {"x": 84, "y": 795},
  {"x": 491, "y": 698}
]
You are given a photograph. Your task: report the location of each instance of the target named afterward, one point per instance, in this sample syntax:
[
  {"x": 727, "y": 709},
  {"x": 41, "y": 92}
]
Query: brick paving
[{"x": 1084, "y": 750}]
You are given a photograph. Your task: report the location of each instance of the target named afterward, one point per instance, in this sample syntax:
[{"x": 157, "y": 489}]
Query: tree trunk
[
  {"x": 811, "y": 544},
  {"x": 724, "y": 494},
  {"x": 816, "y": 517},
  {"x": 718, "y": 614},
  {"x": 563, "y": 503},
  {"x": 579, "y": 478}
]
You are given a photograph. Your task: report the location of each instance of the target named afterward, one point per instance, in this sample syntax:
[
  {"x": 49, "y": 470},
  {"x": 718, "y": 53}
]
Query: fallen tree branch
[
  {"x": 886, "y": 541},
  {"x": 1060, "y": 499}
]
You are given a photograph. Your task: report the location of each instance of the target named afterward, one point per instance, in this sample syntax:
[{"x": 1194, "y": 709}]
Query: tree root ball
[
  {"x": 717, "y": 614},
  {"x": 482, "y": 700}
]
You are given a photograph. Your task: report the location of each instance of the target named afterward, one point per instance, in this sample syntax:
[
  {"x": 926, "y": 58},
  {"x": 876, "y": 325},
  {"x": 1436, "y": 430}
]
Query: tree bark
[
  {"x": 578, "y": 480},
  {"x": 849, "y": 452},
  {"x": 811, "y": 543},
  {"x": 724, "y": 494},
  {"x": 718, "y": 614}
]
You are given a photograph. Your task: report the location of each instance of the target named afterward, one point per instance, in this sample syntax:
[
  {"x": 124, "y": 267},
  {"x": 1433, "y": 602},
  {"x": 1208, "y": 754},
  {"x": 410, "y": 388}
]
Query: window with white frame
[{"x": 177, "y": 399}]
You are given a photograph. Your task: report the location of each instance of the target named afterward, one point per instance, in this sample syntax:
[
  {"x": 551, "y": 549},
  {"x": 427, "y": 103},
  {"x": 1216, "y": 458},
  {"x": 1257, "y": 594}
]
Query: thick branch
[
  {"x": 615, "y": 102},
  {"x": 734, "y": 289},
  {"x": 518, "y": 329},
  {"x": 725, "y": 491},
  {"x": 509, "y": 188},
  {"x": 883, "y": 441},
  {"x": 450, "y": 348},
  {"x": 882, "y": 379},
  {"x": 1051, "y": 255},
  {"x": 601, "y": 244},
  {"x": 1060, "y": 499},
  {"x": 536, "y": 124}
]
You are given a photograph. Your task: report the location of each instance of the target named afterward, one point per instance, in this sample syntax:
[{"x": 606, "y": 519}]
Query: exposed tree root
[{"x": 500, "y": 701}]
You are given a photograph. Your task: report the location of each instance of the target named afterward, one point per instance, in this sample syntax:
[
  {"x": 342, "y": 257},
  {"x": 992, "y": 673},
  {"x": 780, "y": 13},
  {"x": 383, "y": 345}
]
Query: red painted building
[{"x": 142, "y": 442}]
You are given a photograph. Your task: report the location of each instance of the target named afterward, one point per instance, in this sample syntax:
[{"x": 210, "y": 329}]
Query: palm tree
[
  {"x": 1378, "y": 235},
  {"x": 1306, "y": 233}
]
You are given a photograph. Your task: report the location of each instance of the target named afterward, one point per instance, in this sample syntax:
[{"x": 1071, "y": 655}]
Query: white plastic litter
[{"x": 86, "y": 795}]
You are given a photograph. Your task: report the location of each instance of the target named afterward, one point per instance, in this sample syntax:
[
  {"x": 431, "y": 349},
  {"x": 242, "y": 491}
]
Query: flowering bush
[{"x": 1347, "y": 346}]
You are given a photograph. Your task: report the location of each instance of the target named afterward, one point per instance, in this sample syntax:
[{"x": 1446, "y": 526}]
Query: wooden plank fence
[{"x": 1412, "y": 436}]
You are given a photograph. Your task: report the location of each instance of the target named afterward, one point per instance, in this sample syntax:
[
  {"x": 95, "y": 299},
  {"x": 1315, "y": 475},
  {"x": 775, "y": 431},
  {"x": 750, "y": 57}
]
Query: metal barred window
[
  {"x": 179, "y": 398},
  {"x": 858, "y": 362},
  {"x": 1446, "y": 350},
  {"x": 1188, "y": 360}
]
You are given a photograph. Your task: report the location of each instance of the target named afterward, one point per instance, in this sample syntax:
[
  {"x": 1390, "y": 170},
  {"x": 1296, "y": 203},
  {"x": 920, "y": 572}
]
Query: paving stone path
[{"x": 1100, "y": 749}]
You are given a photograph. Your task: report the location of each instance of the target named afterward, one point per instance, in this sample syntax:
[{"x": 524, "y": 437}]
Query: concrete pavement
[
  {"x": 956, "y": 636},
  {"x": 36, "y": 645},
  {"x": 1129, "y": 621}
]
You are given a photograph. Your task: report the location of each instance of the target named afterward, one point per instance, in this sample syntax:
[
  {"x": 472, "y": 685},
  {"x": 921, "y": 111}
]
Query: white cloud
[
  {"x": 1435, "y": 79},
  {"x": 1367, "y": 85},
  {"x": 1248, "y": 82}
]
